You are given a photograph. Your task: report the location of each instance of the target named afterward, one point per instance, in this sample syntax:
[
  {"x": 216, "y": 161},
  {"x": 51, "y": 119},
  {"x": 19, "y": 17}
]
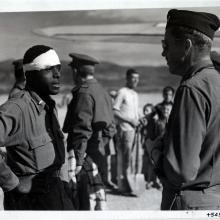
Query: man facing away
[
  {"x": 33, "y": 138},
  {"x": 126, "y": 112},
  {"x": 190, "y": 160},
  {"x": 89, "y": 123}
]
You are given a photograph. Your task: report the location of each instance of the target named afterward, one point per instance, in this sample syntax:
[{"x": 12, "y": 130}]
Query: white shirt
[{"x": 127, "y": 103}]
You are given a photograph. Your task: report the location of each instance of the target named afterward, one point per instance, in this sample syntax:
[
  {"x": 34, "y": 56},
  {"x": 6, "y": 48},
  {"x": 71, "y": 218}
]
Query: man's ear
[{"x": 188, "y": 46}]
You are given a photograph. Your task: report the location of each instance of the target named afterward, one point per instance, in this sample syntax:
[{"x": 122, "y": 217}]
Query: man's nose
[{"x": 56, "y": 72}]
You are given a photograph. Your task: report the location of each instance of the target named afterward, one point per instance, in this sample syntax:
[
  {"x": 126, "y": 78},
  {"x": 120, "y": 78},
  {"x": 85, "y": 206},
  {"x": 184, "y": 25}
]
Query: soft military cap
[
  {"x": 82, "y": 59},
  {"x": 18, "y": 64},
  {"x": 203, "y": 22}
]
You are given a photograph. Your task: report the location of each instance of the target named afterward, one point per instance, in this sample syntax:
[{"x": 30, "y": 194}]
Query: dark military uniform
[
  {"x": 191, "y": 160},
  {"x": 35, "y": 152},
  {"x": 89, "y": 118},
  {"x": 19, "y": 78},
  {"x": 16, "y": 88}
]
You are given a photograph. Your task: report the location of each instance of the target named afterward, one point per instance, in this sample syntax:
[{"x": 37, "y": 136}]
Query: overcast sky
[{"x": 54, "y": 5}]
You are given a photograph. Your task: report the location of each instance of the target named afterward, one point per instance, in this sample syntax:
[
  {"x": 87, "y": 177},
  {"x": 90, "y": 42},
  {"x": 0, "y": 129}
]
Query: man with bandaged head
[
  {"x": 190, "y": 157},
  {"x": 30, "y": 130}
]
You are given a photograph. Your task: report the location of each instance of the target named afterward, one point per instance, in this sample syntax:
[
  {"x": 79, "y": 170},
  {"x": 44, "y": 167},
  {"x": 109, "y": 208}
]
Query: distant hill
[{"x": 112, "y": 76}]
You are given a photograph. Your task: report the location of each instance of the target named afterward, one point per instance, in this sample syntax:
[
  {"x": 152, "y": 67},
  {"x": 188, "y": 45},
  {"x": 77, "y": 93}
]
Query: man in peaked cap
[
  {"x": 89, "y": 123},
  {"x": 188, "y": 157},
  {"x": 30, "y": 130},
  {"x": 19, "y": 77}
]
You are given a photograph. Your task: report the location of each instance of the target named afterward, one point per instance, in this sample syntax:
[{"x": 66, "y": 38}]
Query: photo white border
[{"x": 68, "y": 5}]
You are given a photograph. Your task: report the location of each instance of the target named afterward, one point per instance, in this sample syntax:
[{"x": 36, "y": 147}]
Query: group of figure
[
  {"x": 43, "y": 172},
  {"x": 153, "y": 127}
]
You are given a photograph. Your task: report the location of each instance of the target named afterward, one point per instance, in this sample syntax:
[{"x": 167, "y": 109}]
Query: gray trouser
[{"x": 124, "y": 164}]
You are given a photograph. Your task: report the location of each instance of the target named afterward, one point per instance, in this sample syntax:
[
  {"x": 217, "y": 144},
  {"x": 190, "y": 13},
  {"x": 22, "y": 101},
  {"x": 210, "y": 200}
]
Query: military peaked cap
[
  {"x": 82, "y": 59},
  {"x": 18, "y": 64},
  {"x": 203, "y": 22}
]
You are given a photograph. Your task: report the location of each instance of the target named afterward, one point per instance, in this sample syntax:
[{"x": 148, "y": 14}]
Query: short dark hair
[
  {"x": 168, "y": 88},
  {"x": 148, "y": 105},
  {"x": 34, "y": 52},
  {"x": 131, "y": 71},
  {"x": 199, "y": 39}
]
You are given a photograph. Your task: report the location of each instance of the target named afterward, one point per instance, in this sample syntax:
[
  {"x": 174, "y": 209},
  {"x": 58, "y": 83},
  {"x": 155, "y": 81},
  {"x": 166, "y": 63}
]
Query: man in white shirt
[{"x": 126, "y": 112}]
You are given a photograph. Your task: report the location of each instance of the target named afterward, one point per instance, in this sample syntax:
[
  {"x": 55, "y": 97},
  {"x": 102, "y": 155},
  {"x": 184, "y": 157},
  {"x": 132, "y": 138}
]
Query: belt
[
  {"x": 55, "y": 173},
  {"x": 201, "y": 188}
]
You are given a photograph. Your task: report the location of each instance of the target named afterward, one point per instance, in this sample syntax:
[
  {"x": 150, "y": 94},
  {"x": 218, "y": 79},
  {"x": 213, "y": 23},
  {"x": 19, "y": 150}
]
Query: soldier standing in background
[
  {"x": 89, "y": 123},
  {"x": 30, "y": 130},
  {"x": 19, "y": 77}
]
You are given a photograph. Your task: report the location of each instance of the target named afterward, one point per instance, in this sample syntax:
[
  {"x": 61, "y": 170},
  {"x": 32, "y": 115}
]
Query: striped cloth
[
  {"x": 90, "y": 175},
  {"x": 96, "y": 187}
]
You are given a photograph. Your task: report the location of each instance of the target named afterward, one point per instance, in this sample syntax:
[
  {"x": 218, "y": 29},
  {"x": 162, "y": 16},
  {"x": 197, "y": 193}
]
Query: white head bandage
[{"x": 43, "y": 61}]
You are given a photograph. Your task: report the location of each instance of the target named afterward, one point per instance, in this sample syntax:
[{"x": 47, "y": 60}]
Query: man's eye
[{"x": 49, "y": 68}]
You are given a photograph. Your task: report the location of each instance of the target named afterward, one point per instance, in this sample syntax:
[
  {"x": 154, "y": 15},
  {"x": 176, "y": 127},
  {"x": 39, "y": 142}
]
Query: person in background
[
  {"x": 168, "y": 95},
  {"x": 148, "y": 111},
  {"x": 19, "y": 77},
  {"x": 126, "y": 113},
  {"x": 33, "y": 138},
  {"x": 156, "y": 128},
  {"x": 89, "y": 124},
  {"x": 215, "y": 57},
  {"x": 113, "y": 142},
  {"x": 188, "y": 157}
]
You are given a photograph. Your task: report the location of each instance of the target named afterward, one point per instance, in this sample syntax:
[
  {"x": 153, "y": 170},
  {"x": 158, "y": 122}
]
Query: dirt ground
[{"x": 149, "y": 200}]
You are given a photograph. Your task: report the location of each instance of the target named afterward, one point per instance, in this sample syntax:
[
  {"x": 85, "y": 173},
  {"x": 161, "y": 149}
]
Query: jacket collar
[
  {"x": 197, "y": 68},
  {"x": 40, "y": 104}
]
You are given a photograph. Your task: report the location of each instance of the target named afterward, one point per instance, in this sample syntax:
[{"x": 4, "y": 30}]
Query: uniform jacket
[
  {"x": 192, "y": 144},
  {"x": 31, "y": 133},
  {"x": 89, "y": 118}
]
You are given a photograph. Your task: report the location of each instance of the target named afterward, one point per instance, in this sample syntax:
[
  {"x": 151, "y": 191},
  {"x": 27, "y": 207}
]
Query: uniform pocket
[{"x": 43, "y": 151}]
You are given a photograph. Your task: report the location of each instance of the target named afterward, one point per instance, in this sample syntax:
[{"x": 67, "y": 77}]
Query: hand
[
  {"x": 78, "y": 169},
  {"x": 71, "y": 165},
  {"x": 24, "y": 186}
]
